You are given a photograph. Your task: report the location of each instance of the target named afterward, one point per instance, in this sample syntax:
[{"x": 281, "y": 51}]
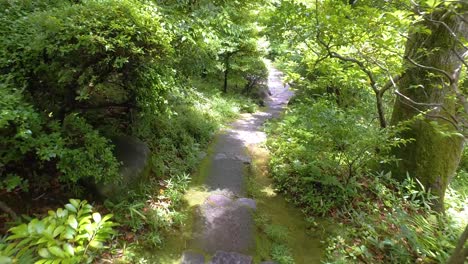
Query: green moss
[
  {"x": 432, "y": 157},
  {"x": 279, "y": 222}
]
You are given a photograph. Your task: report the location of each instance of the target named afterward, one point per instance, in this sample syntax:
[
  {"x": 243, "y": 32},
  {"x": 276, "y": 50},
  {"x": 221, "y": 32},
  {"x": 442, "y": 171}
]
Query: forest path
[{"x": 224, "y": 226}]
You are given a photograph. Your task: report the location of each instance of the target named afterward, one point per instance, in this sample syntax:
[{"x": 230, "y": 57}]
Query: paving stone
[
  {"x": 222, "y": 257},
  {"x": 190, "y": 257},
  {"x": 224, "y": 224},
  {"x": 247, "y": 202},
  {"x": 218, "y": 200}
]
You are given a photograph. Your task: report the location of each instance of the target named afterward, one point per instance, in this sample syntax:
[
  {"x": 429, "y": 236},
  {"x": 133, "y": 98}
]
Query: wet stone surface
[
  {"x": 224, "y": 222},
  {"x": 190, "y": 257},
  {"x": 222, "y": 257}
]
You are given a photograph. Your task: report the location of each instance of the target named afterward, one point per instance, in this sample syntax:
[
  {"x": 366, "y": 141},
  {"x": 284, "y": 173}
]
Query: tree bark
[
  {"x": 460, "y": 253},
  {"x": 427, "y": 89},
  {"x": 226, "y": 73}
]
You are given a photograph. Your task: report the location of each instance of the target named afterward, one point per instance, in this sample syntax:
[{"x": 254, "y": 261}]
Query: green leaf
[
  {"x": 97, "y": 217},
  {"x": 58, "y": 231},
  {"x": 5, "y": 260},
  {"x": 56, "y": 251},
  {"x": 68, "y": 248},
  {"x": 18, "y": 232},
  {"x": 75, "y": 203},
  {"x": 71, "y": 208},
  {"x": 69, "y": 233},
  {"x": 61, "y": 213},
  {"x": 72, "y": 222},
  {"x": 43, "y": 252},
  {"x": 96, "y": 244}
]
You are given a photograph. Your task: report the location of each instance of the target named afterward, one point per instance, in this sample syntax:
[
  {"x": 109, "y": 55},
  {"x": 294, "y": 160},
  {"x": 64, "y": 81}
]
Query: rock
[
  {"x": 190, "y": 257},
  {"x": 135, "y": 158},
  {"x": 268, "y": 262},
  {"x": 222, "y": 257}
]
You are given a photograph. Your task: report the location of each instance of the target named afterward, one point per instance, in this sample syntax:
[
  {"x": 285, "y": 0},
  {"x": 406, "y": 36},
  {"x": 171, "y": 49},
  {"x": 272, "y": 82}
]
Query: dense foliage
[
  {"x": 72, "y": 80},
  {"x": 345, "y": 62},
  {"x": 376, "y": 89}
]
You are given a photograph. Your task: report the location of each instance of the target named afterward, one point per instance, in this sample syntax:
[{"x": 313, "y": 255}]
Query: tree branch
[{"x": 446, "y": 74}]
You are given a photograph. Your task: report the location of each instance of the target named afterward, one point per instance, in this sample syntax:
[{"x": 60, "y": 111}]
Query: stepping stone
[
  {"x": 223, "y": 224},
  {"x": 218, "y": 200},
  {"x": 245, "y": 159},
  {"x": 190, "y": 257},
  {"x": 247, "y": 202},
  {"x": 222, "y": 257}
]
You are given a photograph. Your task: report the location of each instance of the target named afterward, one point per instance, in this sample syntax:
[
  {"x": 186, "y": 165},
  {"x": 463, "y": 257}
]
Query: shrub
[
  {"x": 318, "y": 163},
  {"x": 63, "y": 70},
  {"x": 73, "y": 234}
]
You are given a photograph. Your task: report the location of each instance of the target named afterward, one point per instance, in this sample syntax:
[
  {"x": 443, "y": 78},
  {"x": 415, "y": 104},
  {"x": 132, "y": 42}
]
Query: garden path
[{"x": 224, "y": 226}]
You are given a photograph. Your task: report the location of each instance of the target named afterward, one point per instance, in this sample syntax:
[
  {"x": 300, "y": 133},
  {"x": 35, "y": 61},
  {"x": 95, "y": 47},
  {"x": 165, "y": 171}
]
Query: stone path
[{"x": 224, "y": 226}]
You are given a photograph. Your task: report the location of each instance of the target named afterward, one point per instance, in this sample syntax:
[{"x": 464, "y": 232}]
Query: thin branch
[
  {"x": 452, "y": 33},
  {"x": 461, "y": 58},
  {"x": 446, "y": 74},
  {"x": 453, "y": 122},
  {"x": 391, "y": 83},
  {"x": 361, "y": 66},
  {"x": 414, "y": 102}
]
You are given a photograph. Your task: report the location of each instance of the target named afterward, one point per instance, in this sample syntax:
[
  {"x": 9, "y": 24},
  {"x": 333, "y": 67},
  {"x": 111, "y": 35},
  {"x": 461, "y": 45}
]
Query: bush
[
  {"x": 73, "y": 234},
  {"x": 319, "y": 162},
  {"x": 63, "y": 70}
]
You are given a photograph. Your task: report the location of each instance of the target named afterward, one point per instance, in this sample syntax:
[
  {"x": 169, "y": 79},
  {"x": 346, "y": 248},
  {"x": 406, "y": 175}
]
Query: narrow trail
[{"x": 224, "y": 226}]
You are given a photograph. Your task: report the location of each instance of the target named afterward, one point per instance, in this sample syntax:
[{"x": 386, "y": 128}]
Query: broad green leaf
[
  {"x": 72, "y": 222},
  {"x": 75, "y": 203},
  {"x": 69, "y": 249},
  {"x": 58, "y": 231},
  {"x": 70, "y": 207},
  {"x": 56, "y": 251},
  {"x": 97, "y": 217},
  {"x": 43, "y": 252},
  {"x": 69, "y": 233},
  {"x": 19, "y": 232}
]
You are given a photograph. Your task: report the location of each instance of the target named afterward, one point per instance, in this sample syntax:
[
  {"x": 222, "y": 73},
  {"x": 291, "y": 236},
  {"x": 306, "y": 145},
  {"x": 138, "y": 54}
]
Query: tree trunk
[
  {"x": 226, "y": 73},
  {"x": 460, "y": 253},
  {"x": 428, "y": 87}
]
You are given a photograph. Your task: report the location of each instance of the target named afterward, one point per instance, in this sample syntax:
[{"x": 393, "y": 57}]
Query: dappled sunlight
[
  {"x": 196, "y": 196},
  {"x": 269, "y": 191}
]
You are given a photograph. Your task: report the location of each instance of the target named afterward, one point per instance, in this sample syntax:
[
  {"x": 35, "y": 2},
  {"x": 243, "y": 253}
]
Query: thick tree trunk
[{"x": 428, "y": 87}]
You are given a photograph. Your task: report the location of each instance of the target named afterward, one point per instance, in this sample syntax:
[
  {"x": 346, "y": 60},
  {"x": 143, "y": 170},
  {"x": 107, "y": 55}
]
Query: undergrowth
[{"x": 327, "y": 166}]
